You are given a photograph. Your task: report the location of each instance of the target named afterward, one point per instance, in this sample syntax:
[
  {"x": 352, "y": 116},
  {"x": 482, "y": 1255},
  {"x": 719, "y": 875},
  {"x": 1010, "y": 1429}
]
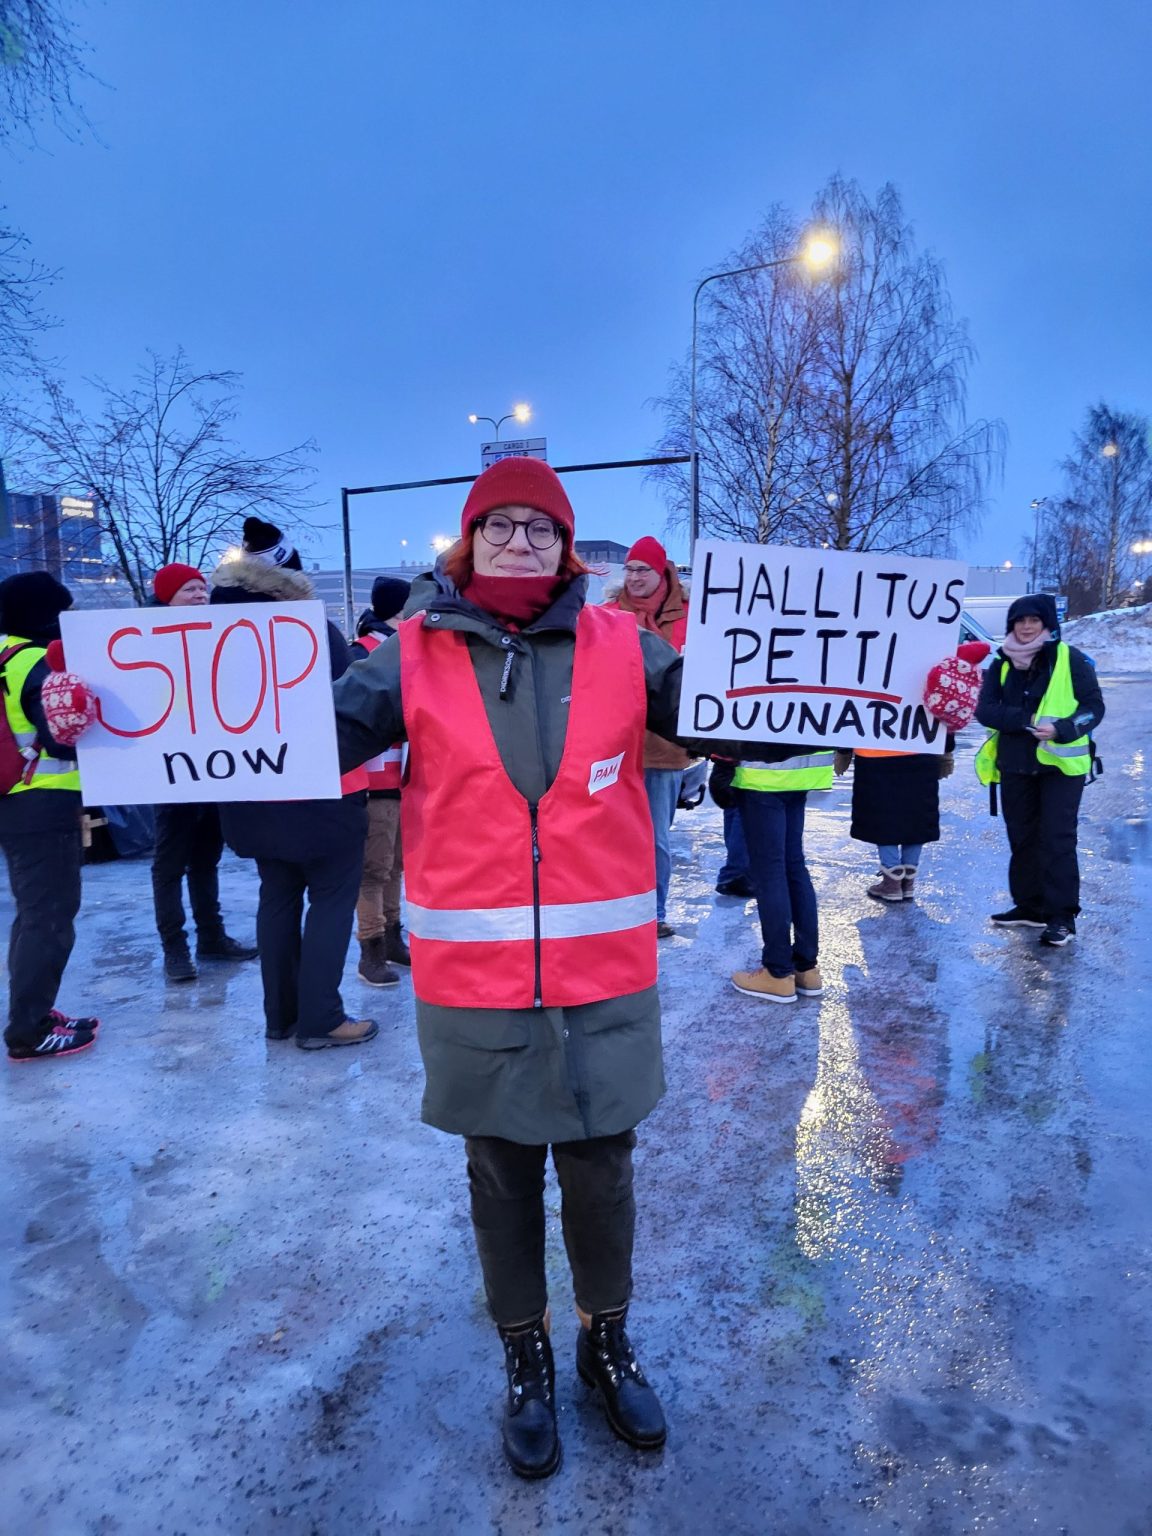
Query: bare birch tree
[
  {"x": 832, "y": 411},
  {"x": 1105, "y": 507},
  {"x": 167, "y": 480},
  {"x": 41, "y": 58}
]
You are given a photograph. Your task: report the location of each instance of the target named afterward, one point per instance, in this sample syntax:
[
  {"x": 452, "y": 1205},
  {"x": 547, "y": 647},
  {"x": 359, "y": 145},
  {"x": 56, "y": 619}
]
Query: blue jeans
[
  {"x": 905, "y": 853},
  {"x": 735, "y": 848},
  {"x": 663, "y": 786},
  {"x": 773, "y": 822}
]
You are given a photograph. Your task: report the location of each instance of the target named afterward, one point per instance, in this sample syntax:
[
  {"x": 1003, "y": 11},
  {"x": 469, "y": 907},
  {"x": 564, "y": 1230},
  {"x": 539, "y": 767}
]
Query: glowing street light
[
  {"x": 441, "y": 542},
  {"x": 1142, "y": 547},
  {"x": 520, "y": 413},
  {"x": 818, "y": 253},
  {"x": 1110, "y": 450}
]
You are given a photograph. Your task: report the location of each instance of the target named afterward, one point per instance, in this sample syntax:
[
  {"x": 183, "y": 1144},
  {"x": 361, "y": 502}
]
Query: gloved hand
[
  {"x": 947, "y": 766},
  {"x": 841, "y": 760},
  {"x": 69, "y": 707},
  {"x": 720, "y": 783}
]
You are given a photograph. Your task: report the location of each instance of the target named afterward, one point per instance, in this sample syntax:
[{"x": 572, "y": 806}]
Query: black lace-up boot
[
  {"x": 605, "y": 1360},
  {"x": 531, "y": 1441}
]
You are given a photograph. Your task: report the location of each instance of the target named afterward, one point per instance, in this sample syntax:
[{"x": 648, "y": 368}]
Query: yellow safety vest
[
  {"x": 811, "y": 772},
  {"x": 1058, "y": 703},
  {"x": 50, "y": 772}
]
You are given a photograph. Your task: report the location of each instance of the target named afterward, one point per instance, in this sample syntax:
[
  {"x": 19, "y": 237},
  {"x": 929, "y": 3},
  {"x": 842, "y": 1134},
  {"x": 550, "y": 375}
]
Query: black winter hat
[
  {"x": 1037, "y": 605},
  {"x": 389, "y": 594},
  {"x": 31, "y": 605},
  {"x": 266, "y": 541}
]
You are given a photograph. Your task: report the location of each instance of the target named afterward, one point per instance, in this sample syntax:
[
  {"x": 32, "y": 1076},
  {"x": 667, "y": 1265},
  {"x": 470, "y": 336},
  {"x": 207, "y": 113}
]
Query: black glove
[
  {"x": 947, "y": 766},
  {"x": 720, "y": 784}
]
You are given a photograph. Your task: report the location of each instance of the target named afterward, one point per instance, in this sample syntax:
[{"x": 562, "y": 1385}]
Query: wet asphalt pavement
[{"x": 894, "y": 1262}]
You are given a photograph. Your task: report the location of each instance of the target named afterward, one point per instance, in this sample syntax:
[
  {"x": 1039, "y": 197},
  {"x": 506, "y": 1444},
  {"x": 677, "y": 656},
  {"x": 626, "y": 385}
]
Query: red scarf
[{"x": 515, "y": 600}]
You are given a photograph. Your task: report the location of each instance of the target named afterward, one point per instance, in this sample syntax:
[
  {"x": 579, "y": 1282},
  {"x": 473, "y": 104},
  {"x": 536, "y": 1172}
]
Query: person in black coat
[
  {"x": 896, "y": 805},
  {"x": 302, "y": 848},
  {"x": 1041, "y": 800}
]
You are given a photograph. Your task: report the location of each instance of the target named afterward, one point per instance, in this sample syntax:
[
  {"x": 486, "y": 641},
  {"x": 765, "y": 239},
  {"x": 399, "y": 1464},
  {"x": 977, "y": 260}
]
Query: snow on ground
[{"x": 1117, "y": 641}]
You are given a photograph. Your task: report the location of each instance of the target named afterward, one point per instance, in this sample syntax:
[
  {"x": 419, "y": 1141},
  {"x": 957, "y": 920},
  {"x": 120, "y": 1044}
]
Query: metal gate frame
[{"x": 348, "y": 491}]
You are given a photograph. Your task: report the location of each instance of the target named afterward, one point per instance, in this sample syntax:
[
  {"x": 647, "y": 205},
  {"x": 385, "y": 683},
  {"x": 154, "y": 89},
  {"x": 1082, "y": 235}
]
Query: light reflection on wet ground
[{"x": 893, "y": 1267}]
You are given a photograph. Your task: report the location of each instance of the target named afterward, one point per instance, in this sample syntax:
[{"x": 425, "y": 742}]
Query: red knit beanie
[
  {"x": 650, "y": 551},
  {"x": 170, "y": 578},
  {"x": 519, "y": 483}
]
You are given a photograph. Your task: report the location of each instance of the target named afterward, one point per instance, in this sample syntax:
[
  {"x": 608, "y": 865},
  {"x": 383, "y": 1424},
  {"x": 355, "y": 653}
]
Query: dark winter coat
[
  {"x": 896, "y": 799},
  {"x": 276, "y": 829},
  {"x": 1010, "y": 706},
  {"x": 528, "y": 1075}
]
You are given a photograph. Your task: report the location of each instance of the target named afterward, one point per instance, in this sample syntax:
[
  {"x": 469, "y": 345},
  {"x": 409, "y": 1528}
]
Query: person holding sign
[
  {"x": 39, "y": 820},
  {"x": 189, "y": 841},
  {"x": 652, "y": 592},
  {"x": 310, "y": 849},
  {"x": 532, "y": 920},
  {"x": 1041, "y": 701}
]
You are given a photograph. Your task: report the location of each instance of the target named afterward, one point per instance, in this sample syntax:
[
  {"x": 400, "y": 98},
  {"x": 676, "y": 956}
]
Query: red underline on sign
[{"x": 843, "y": 693}]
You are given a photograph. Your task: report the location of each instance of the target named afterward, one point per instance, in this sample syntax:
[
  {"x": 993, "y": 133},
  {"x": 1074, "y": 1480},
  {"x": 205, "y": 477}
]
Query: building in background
[
  {"x": 61, "y": 535},
  {"x": 600, "y": 551}
]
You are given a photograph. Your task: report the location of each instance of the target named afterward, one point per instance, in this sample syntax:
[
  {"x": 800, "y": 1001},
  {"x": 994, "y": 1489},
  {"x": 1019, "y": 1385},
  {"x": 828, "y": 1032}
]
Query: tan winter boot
[
  {"x": 762, "y": 984},
  {"x": 908, "y": 884},
  {"x": 890, "y": 886}
]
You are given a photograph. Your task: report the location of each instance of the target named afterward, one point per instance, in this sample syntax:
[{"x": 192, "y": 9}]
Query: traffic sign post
[{"x": 513, "y": 448}]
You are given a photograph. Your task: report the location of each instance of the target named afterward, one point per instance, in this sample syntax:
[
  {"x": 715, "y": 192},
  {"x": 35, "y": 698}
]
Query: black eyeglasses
[{"x": 541, "y": 532}]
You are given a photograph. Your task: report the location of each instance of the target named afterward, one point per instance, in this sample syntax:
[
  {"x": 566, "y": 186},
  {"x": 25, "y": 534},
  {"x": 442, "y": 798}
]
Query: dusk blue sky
[{"x": 387, "y": 215}]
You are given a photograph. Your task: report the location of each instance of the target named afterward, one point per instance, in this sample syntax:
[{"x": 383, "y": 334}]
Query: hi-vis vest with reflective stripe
[
  {"x": 383, "y": 771},
  {"x": 813, "y": 771},
  {"x": 511, "y": 905},
  {"x": 1059, "y": 703},
  {"x": 50, "y": 772}
]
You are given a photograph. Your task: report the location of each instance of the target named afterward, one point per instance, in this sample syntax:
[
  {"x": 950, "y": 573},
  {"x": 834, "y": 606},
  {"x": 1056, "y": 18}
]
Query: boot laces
[
  {"x": 614, "y": 1350},
  {"x": 526, "y": 1359}
]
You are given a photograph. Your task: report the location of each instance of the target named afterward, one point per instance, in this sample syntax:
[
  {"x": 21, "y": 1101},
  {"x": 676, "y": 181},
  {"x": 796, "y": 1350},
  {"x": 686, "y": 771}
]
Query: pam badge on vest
[{"x": 603, "y": 773}]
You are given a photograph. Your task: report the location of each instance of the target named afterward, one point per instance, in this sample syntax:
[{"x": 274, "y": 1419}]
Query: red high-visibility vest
[
  {"x": 519, "y": 906},
  {"x": 384, "y": 770}
]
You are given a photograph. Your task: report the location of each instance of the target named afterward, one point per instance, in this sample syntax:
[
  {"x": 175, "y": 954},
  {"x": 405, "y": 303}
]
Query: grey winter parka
[{"x": 530, "y": 1075}]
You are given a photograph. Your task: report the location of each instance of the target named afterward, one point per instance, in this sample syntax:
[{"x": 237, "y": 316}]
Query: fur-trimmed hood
[{"x": 252, "y": 580}]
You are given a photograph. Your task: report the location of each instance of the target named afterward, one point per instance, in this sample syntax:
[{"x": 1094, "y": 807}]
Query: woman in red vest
[{"x": 532, "y": 918}]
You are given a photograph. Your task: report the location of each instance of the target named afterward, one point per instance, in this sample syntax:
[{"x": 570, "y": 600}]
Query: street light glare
[
  {"x": 819, "y": 251},
  {"x": 1110, "y": 450},
  {"x": 441, "y": 542},
  {"x": 522, "y": 413},
  {"x": 473, "y": 418}
]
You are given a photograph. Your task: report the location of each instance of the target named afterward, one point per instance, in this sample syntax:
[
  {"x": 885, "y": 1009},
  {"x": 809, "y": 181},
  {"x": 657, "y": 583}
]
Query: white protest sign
[
  {"x": 200, "y": 704},
  {"x": 818, "y": 647}
]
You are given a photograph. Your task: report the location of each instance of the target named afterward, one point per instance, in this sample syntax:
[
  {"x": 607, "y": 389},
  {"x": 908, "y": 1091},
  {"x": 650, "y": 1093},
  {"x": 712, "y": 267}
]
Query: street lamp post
[
  {"x": 1037, "y": 506},
  {"x": 520, "y": 413},
  {"x": 817, "y": 253}
]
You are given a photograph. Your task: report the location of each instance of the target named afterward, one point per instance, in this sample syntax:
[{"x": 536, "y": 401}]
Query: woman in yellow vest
[
  {"x": 1041, "y": 701},
  {"x": 39, "y": 828}
]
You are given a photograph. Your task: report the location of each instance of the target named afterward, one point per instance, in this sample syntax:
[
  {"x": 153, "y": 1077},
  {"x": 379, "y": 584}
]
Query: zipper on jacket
[{"x": 533, "y": 812}]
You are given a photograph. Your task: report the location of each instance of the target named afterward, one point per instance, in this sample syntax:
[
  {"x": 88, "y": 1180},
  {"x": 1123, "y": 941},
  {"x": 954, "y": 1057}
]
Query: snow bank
[{"x": 1117, "y": 641}]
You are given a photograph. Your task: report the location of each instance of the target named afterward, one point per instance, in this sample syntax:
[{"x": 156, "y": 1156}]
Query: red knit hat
[
  {"x": 170, "y": 578},
  {"x": 650, "y": 551},
  {"x": 519, "y": 483}
]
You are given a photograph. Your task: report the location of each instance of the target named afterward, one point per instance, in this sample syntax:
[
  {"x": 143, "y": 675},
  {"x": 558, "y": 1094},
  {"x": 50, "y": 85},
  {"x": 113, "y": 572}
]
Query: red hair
[{"x": 457, "y": 562}]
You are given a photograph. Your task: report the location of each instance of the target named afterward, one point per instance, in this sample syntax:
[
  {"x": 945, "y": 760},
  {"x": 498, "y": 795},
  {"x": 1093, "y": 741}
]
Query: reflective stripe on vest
[
  {"x": 384, "y": 772},
  {"x": 514, "y": 906},
  {"x": 813, "y": 771},
  {"x": 1059, "y": 703},
  {"x": 50, "y": 772}
]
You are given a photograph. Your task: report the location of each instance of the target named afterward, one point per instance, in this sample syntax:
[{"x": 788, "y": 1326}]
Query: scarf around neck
[
  {"x": 647, "y": 609},
  {"x": 1022, "y": 653},
  {"x": 514, "y": 600}
]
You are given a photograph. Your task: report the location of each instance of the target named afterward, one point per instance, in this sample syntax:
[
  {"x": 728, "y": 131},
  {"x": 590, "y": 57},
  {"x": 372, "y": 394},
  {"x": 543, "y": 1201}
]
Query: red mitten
[
  {"x": 54, "y": 656},
  {"x": 952, "y": 692},
  {"x": 69, "y": 707},
  {"x": 973, "y": 651}
]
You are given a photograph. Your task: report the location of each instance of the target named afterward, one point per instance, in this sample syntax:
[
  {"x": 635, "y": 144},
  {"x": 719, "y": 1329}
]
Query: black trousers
[
  {"x": 44, "y": 873},
  {"x": 188, "y": 843},
  {"x": 598, "y": 1215},
  {"x": 302, "y": 956},
  {"x": 1040, "y": 814}
]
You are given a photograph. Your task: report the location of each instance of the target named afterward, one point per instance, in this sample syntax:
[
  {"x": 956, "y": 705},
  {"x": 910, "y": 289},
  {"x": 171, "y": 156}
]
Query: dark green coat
[{"x": 531, "y": 1075}]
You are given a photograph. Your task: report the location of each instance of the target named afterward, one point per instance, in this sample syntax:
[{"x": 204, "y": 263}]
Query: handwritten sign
[
  {"x": 818, "y": 647},
  {"x": 201, "y": 704}
]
